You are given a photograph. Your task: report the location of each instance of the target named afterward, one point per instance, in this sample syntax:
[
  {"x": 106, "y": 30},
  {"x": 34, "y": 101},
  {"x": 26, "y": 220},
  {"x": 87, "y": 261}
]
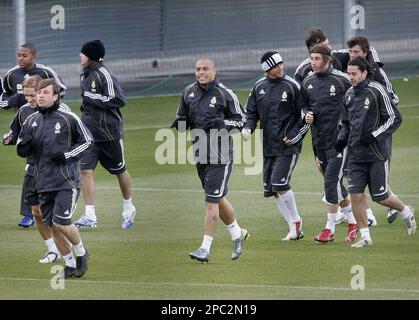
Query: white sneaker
[
  {"x": 85, "y": 222},
  {"x": 372, "y": 221},
  {"x": 340, "y": 217},
  {"x": 363, "y": 242},
  {"x": 411, "y": 223},
  {"x": 50, "y": 257},
  {"x": 128, "y": 219},
  {"x": 295, "y": 232}
]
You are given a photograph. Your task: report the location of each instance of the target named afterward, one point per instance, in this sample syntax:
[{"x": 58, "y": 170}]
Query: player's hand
[
  {"x": 7, "y": 139},
  {"x": 318, "y": 164},
  {"x": 287, "y": 141},
  {"x": 59, "y": 158},
  {"x": 246, "y": 133},
  {"x": 309, "y": 117}
]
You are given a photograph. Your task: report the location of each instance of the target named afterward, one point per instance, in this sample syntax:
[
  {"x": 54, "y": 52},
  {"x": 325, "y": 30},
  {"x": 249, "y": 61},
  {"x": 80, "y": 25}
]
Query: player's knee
[
  {"x": 86, "y": 173},
  {"x": 380, "y": 199},
  {"x": 36, "y": 212}
]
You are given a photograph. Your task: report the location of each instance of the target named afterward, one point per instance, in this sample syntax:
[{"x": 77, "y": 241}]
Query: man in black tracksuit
[
  {"x": 29, "y": 190},
  {"x": 323, "y": 93},
  {"x": 12, "y": 95},
  {"x": 210, "y": 110},
  {"x": 369, "y": 117},
  {"x": 102, "y": 99},
  {"x": 275, "y": 101},
  {"x": 359, "y": 46},
  {"x": 56, "y": 139}
]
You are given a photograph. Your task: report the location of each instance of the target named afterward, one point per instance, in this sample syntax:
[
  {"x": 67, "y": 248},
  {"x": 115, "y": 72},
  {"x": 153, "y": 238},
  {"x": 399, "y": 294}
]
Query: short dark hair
[
  {"x": 50, "y": 82},
  {"x": 359, "y": 40},
  {"x": 314, "y": 36},
  {"x": 362, "y": 64},
  {"x": 29, "y": 46}
]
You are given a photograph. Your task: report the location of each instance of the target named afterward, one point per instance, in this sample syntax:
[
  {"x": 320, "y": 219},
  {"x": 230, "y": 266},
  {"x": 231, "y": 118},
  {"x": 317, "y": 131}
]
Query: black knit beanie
[{"x": 94, "y": 50}]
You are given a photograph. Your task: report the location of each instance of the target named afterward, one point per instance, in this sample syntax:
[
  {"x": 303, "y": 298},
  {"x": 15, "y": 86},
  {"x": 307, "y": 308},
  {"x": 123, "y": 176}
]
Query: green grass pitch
[{"x": 151, "y": 261}]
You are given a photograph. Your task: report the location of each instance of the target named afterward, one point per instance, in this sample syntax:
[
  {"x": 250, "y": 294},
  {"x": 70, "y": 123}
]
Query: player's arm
[
  {"x": 24, "y": 142},
  {"x": 82, "y": 137},
  {"x": 8, "y": 99},
  {"x": 381, "y": 77},
  {"x": 111, "y": 96},
  {"x": 15, "y": 127},
  {"x": 343, "y": 135},
  {"x": 181, "y": 123},
  {"x": 252, "y": 115},
  {"x": 299, "y": 127},
  {"x": 390, "y": 115},
  {"x": 234, "y": 115}
]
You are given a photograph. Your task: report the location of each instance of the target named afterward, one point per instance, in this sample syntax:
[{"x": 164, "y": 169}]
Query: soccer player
[
  {"x": 368, "y": 118},
  {"x": 323, "y": 92},
  {"x": 29, "y": 190},
  {"x": 340, "y": 59},
  {"x": 209, "y": 109},
  {"x": 275, "y": 100},
  {"x": 12, "y": 96},
  {"x": 56, "y": 138},
  {"x": 102, "y": 99},
  {"x": 359, "y": 47}
]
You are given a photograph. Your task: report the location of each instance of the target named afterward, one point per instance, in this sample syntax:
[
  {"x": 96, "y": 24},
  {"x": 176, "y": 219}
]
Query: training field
[{"x": 151, "y": 261}]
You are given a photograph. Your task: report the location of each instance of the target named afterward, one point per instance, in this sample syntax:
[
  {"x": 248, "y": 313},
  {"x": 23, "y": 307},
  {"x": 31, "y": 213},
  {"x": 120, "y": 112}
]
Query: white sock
[
  {"x": 89, "y": 212},
  {"x": 291, "y": 205},
  {"x": 331, "y": 218},
  {"x": 365, "y": 233},
  {"x": 127, "y": 205},
  {"x": 283, "y": 209},
  {"x": 207, "y": 242},
  {"x": 69, "y": 260},
  {"x": 406, "y": 212},
  {"x": 370, "y": 215},
  {"x": 235, "y": 230},
  {"x": 51, "y": 245},
  {"x": 349, "y": 214},
  {"x": 80, "y": 250}
]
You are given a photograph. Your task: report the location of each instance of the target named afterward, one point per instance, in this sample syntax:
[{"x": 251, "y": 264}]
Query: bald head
[{"x": 205, "y": 71}]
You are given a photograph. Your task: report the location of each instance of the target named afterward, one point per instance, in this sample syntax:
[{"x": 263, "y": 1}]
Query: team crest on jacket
[
  {"x": 366, "y": 103},
  {"x": 93, "y": 84},
  {"x": 284, "y": 96},
  {"x": 57, "y": 127},
  {"x": 213, "y": 102},
  {"x": 332, "y": 90}
]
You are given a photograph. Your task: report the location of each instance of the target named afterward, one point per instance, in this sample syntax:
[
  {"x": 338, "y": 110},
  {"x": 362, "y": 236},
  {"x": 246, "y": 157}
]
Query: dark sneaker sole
[
  {"x": 199, "y": 259},
  {"x": 321, "y": 241}
]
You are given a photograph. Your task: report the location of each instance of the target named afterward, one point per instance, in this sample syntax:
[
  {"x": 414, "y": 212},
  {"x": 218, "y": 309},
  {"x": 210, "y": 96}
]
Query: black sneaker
[
  {"x": 81, "y": 264},
  {"x": 69, "y": 272},
  {"x": 392, "y": 215}
]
